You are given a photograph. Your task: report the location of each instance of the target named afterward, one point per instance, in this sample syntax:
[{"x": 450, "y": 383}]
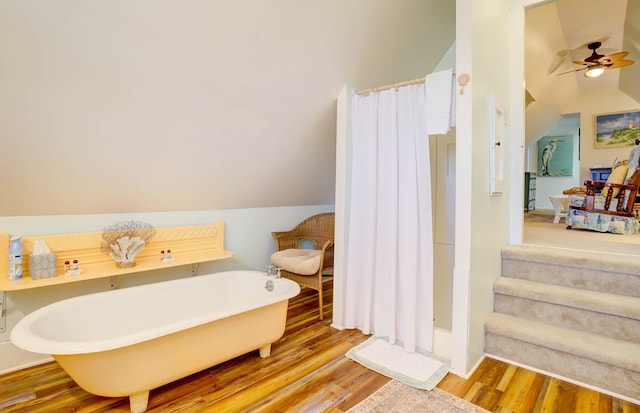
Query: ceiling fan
[{"x": 597, "y": 64}]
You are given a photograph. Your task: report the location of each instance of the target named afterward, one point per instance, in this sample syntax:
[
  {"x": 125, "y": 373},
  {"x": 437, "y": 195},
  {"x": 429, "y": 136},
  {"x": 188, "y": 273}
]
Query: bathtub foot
[
  {"x": 265, "y": 351},
  {"x": 138, "y": 402}
]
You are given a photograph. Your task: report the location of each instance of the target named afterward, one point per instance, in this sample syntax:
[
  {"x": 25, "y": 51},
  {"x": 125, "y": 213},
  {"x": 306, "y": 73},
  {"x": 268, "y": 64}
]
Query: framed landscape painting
[
  {"x": 555, "y": 156},
  {"x": 617, "y": 129}
]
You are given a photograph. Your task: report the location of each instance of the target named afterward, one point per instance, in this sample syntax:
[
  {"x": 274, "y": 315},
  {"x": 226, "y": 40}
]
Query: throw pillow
[{"x": 618, "y": 175}]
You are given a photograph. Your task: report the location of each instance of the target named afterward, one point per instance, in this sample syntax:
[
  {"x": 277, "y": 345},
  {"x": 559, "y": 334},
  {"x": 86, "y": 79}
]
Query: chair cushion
[
  {"x": 579, "y": 201},
  {"x": 618, "y": 175},
  {"x": 299, "y": 261},
  {"x": 602, "y": 222}
]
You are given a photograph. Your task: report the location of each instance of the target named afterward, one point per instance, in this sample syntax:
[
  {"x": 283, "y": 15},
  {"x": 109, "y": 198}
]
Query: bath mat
[
  {"x": 396, "y": 397},
  {"x": 422, "y": 370}
]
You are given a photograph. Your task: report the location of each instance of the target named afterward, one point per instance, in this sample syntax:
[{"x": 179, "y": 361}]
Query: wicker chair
[{"x": 319, "y": 230}]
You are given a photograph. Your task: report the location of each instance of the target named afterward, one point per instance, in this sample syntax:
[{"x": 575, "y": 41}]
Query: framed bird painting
[{"x": 555, "y": 156}]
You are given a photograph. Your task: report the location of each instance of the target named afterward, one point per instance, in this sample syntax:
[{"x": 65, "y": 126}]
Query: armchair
[
  {"x": 612, "y": 209},
  {"x": 308, "y": 267}
]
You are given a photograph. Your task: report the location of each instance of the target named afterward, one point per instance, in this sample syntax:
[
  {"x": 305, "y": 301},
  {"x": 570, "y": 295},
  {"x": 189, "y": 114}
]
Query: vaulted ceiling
[{"x": 556, "y": 34}]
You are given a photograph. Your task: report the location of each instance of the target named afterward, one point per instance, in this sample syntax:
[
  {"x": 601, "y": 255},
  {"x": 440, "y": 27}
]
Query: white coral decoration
[{"x": 126, "y": 249}]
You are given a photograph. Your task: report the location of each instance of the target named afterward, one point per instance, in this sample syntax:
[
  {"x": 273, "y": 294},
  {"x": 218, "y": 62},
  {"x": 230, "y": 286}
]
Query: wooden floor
[{"x": 307, "y": 372}]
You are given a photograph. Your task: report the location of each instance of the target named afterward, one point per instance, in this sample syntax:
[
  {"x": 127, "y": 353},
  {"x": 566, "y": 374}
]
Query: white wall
[
  {"x": 567, "y": 127},
  {"x": 589, "y": 106},
  {"x": 489, "y": 229},
  {"x": 162, "y": 105},
  {"x": 482, "y": 221},
  {"x": 247, "y": 235}
]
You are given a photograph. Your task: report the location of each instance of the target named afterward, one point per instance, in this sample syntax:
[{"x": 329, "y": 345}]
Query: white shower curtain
[{"x": 389, "y": 252}]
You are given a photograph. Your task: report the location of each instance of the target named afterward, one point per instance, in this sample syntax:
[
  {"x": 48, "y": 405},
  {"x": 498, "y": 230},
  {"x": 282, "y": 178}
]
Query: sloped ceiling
[
  {"x": 163, "y": 105},
  {"x": 556, "y": 34},
  {"x": 631, "y": 41}
]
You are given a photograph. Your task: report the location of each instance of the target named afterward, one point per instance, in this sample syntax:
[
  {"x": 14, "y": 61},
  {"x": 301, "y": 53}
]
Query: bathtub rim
[{"x": 23, "y": 337}]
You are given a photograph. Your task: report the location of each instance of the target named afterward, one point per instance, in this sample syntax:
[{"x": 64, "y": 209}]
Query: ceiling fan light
[{"x": 594, "y": 71}]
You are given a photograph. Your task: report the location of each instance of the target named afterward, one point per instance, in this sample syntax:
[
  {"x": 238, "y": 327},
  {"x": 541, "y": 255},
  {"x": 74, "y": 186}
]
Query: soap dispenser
[{"x": 15, "y": 258}]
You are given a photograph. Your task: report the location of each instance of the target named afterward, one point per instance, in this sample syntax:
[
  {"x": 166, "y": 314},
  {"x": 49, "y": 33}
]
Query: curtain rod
[{"x": 392, "y": 86}]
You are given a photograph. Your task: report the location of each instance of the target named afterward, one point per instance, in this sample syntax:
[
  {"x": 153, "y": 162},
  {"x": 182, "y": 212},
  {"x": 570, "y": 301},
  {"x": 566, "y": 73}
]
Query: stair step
[
  {"x": 600, "y": 313},
  {"x": 605, "y": 272},
  {"x": 619, "y": 353},
  {"x": 607, "y": 314},
  {"x": 606, "y": 303},
  {"x": 567, "y": 352}
]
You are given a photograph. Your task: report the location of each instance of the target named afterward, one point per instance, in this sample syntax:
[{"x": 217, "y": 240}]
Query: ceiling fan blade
[
  {"x": 560, "y": 58},
  {"x": 614, "y": 56},
  {"x": 619, "y": 63},
  {"x": 575, "y": 70}
]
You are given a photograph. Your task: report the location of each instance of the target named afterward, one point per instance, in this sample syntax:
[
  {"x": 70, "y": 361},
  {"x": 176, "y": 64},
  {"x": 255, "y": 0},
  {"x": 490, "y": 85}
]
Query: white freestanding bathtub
[{"x": 129, "y": 341}]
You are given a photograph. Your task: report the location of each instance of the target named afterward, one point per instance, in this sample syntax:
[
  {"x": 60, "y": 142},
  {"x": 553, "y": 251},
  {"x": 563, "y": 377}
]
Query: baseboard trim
[
  {"x": 468, "y": 374},
  {"x": 19, "y": 359}
]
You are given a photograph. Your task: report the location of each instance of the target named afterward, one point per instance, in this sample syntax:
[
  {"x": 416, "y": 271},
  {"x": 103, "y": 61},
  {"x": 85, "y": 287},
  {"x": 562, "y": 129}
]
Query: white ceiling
[{"x": 557, "y": 33}]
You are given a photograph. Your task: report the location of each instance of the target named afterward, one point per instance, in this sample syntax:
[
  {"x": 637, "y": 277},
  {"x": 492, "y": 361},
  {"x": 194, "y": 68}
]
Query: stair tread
[
  {"x": 619, "y": 353},
  {"x": 602, "y": 302},
  {"x": 606, "y": 261}
]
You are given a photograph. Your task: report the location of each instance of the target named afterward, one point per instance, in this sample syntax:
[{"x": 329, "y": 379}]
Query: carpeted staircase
[{"x": 571, "y": 313}]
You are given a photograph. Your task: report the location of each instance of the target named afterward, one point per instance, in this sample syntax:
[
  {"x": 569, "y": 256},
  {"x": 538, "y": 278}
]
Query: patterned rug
[{"x": 397, "y": 397}]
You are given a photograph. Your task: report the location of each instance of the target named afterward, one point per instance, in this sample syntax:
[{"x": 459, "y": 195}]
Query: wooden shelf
[{"x": 188, "y": 245}]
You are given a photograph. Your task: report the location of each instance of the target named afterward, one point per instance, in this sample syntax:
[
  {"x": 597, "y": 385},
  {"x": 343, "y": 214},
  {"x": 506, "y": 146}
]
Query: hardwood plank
[
  {"x": 590, "y": 401},
  {"x": 310, "y": 393},
  {"x": 451, "y": 384},
  {"x": 342, "y": 376},
  {"x": 506, "y": 378},
  {"x": 543, "y": 391},
  {"x": 484, "y": 396},
  {"x": 523, "y": 390},
  {"x": 263, "y": 387},
  {"x": 559, "y": 397},
  {"x": 461, "y": 387}
]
